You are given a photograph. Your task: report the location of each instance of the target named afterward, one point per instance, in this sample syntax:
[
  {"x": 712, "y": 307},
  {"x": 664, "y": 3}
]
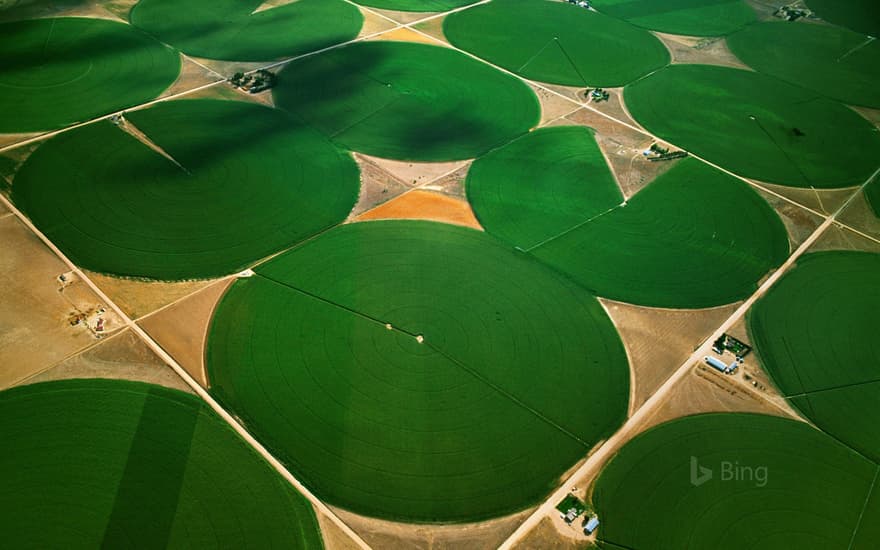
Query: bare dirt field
[
  {"x": 374, "y": 23},
  {"x": 7, "y": 140},
  {"x": 182, "y": 328},
  {"x": 658, "y": 340},
  {"x": 122, "y": 356},
  {"x": 414, "y": 173},
  {"x": 451, "y": 184},
  {"x": 406, "y": 35},
  {"x": 432, "y": 27},
  {"x": 842, "y": 238},
  {"x": 192, "y": 75},
  {"x": 404, "y": 17},
  {"x": 334, "y": 537},
  {"x": 377, "y": 186},
  {"x": 424, "y": 205},
  {"x": 35, "y": 329},
  {"x": 799, "y": 222},
  {"x": 826, "y": 201},
  {"x": 547, "y": 536},
  {"x": 859, "y": 215},
  {"x": 553, "y": 107},
  {"x": 139, "y": 298},
  {"x": 622, "y": 148},
  {"x": 705, "y": 51},
  {"x": 470, "y": 536}
]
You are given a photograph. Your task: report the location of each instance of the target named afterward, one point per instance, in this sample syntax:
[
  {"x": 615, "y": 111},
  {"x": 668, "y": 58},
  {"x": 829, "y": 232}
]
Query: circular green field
[
  {"x": 688, "y": 17},
  {"x": 518, "y": 375},
  {"x": 56, "y": 72},
  {"x": 407, "y": 101},
  {"x": 556, "y": 42},
  {"x": 816, "y": 334},
  {"x": 733, "y": 481},
  {"x": 695, "y": 237},
  {"x": 117, "y": 464},
  {"x": 245, "y": 181},
  {"x": 416, "y": 5},
  {"x": 829, "y": 60},
  {"x": 233, "y": 30},
  {"x": 541, "y": 184},
  {"x": 858, "y": 15},
  {"x": 757, "y": 126}
]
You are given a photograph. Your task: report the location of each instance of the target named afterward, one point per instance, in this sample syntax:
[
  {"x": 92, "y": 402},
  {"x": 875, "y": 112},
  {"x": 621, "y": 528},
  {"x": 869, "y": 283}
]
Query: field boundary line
[
  {"x": 856, "y": 231},
  {"x": 631, "y": 427},
  {"x": 576, "y": 226},
  {"x": 233, "y": 423},
  {"x": 833, "y": 388},
  {"x": 852, "y": 539},
  {"x": 160, "y": 309}
]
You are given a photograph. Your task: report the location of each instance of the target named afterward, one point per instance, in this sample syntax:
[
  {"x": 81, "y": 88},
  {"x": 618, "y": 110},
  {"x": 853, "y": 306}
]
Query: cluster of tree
[
  {"x": 791, "y": 13},
  {"x": 255, "y": 82}
]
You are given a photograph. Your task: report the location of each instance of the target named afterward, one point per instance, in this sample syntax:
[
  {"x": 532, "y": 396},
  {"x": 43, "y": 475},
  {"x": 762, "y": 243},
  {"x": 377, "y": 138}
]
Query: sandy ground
[
  {"x": 799, "y": 222},
  {"x": 405, "y": 35},
  {"x": 4, "y": 211},
  {"x": 548, "y": 536},
  {"x": 622, "y": 148},
  {"x": 469, "y": 536},
  {"x": 826, "y": 201},
  {"x": 432, "y": 27},
  {"x": 229, "y": 68},
  {"x": 139, "y": 298},
  {"x": 859, "y": 215},
  {"x": 7, "y": 140},
  {"x": 123, "y": 356},
  {"x": 35, "y": 329},
  {"x": 403, "y": 17},
  {"x": 658, "y": 340},
  {"x": 192, "y": 75},
  {"x": 705, "y": 51},
  {"x": 452, "y": 184},
  {"x": 334, "y": 538},
  {"x": 374, "y": 23},
  {"x": 269, "y": 4},
  {"x": 377, "y": 186},
  {"x": 553, "y": 107},
  {"x": 424, "y": 205},
  {"x": 415, "y": 173},
  {"x": 843, "y": 238},
  {"x": 182, "y": 328}
]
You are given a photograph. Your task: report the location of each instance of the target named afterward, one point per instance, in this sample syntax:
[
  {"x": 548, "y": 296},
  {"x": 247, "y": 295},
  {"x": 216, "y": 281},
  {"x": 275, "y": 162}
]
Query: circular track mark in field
[
  {"x": 832, "y": 61},
  {"x": 556, "y": 42},
  {"x": 407, "y": 101},
  {"x": 232, "y": 29},
  {"x": 695, "y": 237},
  {"x": 120, "y": 464},
  {"x": 242, "y": 181},
  {"x": 732, "y": 481},
  {"x": 518, "y": 373},
  {"x": 687, "y": 17},
  {"x": 859, "y": 15},
  {"x": 757, "y": 126},
  {"x": 56, "y": 72},
  {"x": 416, "y": 5},
  {"x": 816, "y": 333}
]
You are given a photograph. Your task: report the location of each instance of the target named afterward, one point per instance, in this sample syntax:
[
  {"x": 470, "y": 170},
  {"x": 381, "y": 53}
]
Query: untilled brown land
[
  {"x": 377, "y": 186},
  {"x": 123, "y": 356},
  {"x": 826, "y": 201},
  {"x": 424, "y": 205},
  {"x": 35, "y": 320},
  {"x": 658, "y": 340},
  {"x": 859, "y": 215},
  {"x": 406, "y": 35},
  {"x": 414, "y": 173},
  {"x": 703, "y": 51},
  {"x": 192, "y": 75},
  {"x": 374, "y": 23},
  {"x": 469, "y": 536},
  {"x": 182, "y": 328},
  {"x": 547, "y": 536},
  {"x": 139, "y": 298},
  {"x": 842, "y": 238},
  {"x": 432, "y": 27},
  {"x": 799, "y": 222},
  {"x": 404, "y": 17},
  {"x": 553, "y": 106},
  {"x": 451, "y": 184},
  {"x": 334, "y": 537}
]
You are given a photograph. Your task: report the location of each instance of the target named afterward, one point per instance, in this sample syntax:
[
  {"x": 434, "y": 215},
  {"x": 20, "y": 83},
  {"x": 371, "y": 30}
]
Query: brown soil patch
[
  {"x": 269, "y": 4},
  {"x": 334, "y": 537},
  {"x": 553, "y": 106},
  {"x": 414, "y": 173},
  {"x": 658, "y": 341},
  {"x": 228, "y": 68},
  {"x": 219, "y": 91},
  {"x": 451, "y": 184},
  {"x": 705, "y": 51},
  {"x": 123, "y": 357},
  {"x": 8, "y": 140},
  {"x": 838, "y": 237},
  {"x": 121, "y": 8},
  {"x": 859, "y": 215},
  {"x": 622, "y": 147},
  {"x": 434, "y": 28},
  {"x": 799, "y": 222},
  {"x": 404, "y": 17},
  {"x": 405, "y": 35},
  {"x": 139, "y": 298},
  {"x": 425, "y": 205},
  {"x": 547, "y": 536},
  {"x": 574, "y": 93},
  {"x": 35, "y": 332},
  {"x": 374, "y": 23},
  {"x": 826, "y": 201},
  {"x": 469, "y": 536},
  {"x": 4, "y": 211},
  {"x": 182, "y": 328},
  {"x": 192, "y": 75},
  {"x": 377, "y": 186}
]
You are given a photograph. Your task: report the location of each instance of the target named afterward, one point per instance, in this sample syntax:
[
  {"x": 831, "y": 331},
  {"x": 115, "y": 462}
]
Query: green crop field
[
  {"x": 242, "y": 186},
  {"x": 757, "y": 126},
  {"x": 541, "y": 185},
  {"x": 416, "y": 5},
  {"x": 556, "y": 42},
  {"x": 407, "y": 101},
  {"x": 815, "y": 332},
  {"x": 872, "y": 193},
  {"x": 695, "y": 237},
  {"x": 519, "y": 374},
  {"x": 858, "y": 15},
  {"x": 774, "y": 484},
  {"x": 55, "y": 72},
  {"x": 689, "y": 17},
  {"x": 117, "y": 464},
  {"x": 232, "y": 30},
  {"x": 832, "y": 61}
]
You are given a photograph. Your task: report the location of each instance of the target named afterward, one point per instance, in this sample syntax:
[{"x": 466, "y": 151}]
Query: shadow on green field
[{"x": 150, "y": 488}]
